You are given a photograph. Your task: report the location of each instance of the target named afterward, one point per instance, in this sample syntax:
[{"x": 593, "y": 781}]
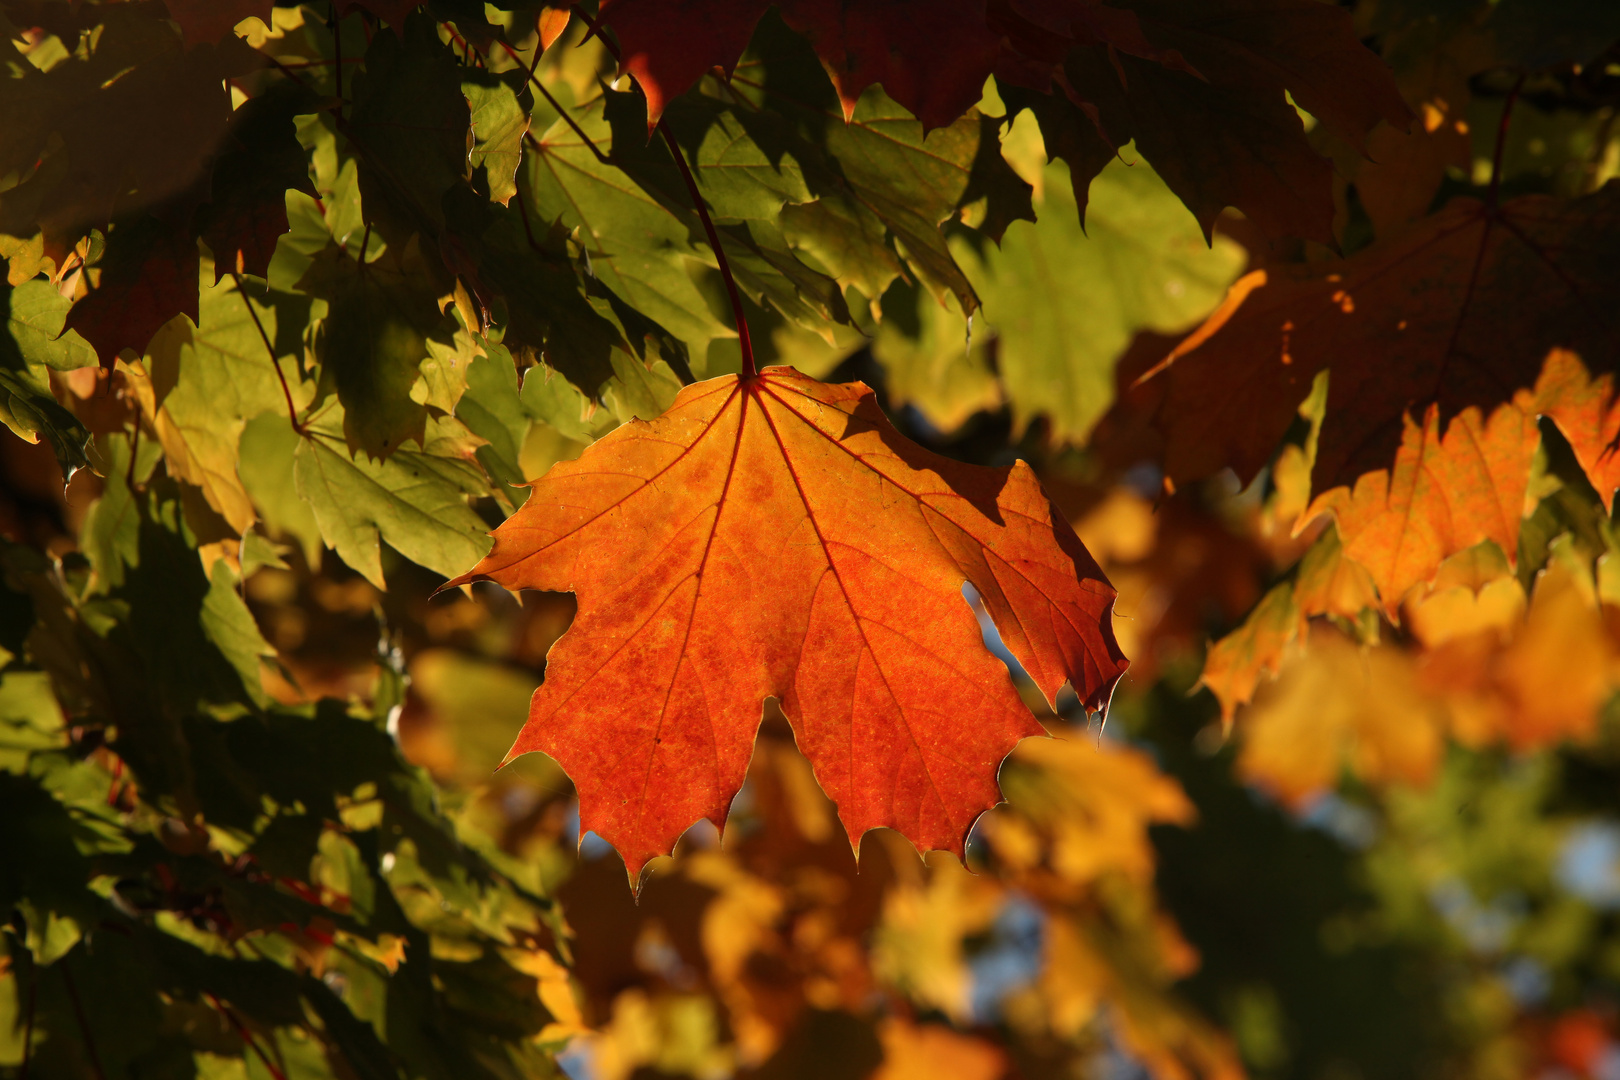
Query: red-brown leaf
[
  {"x": 148, "y": 275},
  {"x": 1458, "y": 311},
  {"x": 1199, "y": 85},
  {"x": 207, "y": 21}
]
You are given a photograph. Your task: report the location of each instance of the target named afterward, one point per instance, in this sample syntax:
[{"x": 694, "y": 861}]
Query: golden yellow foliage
[
  {"x": 1080, "y": 809},
  {"x": 1340, "y": 704},
  {"x": 1543, "y": 681}
]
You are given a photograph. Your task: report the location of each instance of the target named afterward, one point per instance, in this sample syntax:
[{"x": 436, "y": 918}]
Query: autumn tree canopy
[{"x": 707, "y": 538}]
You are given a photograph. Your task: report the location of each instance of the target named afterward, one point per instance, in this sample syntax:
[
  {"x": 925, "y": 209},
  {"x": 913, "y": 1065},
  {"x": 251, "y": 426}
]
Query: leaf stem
[
  {"x": 288, "y": 65},
  {"x": 84, "y": 1024},
  {"x": 523, "y": 212},
  {"x": 568, "y": 118},
  {"x": 539, "y": 43},
  {"x": 246, "y": 1036},
  {"x": 469, "y": 55},
  {"x": 749, "y": 370},
  {"x": 1501, "y": 141},
  {"x": 292, "y": 410}
]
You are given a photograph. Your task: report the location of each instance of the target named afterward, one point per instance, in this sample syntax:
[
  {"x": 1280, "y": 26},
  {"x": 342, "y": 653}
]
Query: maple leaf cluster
[
  {"x": 852, "y": 395},
  {"x": 1455, "y": 375}
]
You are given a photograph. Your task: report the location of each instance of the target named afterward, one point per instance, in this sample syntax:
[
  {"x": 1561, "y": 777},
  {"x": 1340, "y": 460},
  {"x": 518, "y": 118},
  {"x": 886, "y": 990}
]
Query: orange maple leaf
[
  {"x": 1444, "y": 495},
  {"x": 774, "y": 536}
]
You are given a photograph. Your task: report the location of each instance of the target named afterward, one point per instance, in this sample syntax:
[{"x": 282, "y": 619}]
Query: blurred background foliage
[{"x": 249, "y": 824}]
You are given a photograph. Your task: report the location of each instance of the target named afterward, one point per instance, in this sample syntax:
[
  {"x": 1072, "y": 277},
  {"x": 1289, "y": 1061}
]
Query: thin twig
[
  {"x": 300, "y": 64},
  {"x": 1491, "y": 218},
  {"x": 134, "y": 451},
  {"x": 269, "y": 347},
  {"x": 468, "y": 53},
  {"x": 523, "y": 212},
  {"x": 539, "y": 45},
  {"x": 337, "y": 51},
  {"x": 749, "y": 371},
  {"x": 287, "y": 69},
  {"x": 568, "y": 118},
  {"x": 593, "y": 28},
  {"x": 84, "y": 1024},
  {"x": 246, "y": 1035},
  {"x": 28, "y": 1025},
  {"x": 365, "y": 242}
]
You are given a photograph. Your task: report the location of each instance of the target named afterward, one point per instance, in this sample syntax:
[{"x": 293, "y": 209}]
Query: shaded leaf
[
  {"x": 1402, "y": 325},
  {"x": 411, "y": 123},
  {"x": 131, "y": 127},
  {"x": 207, "y": 21},
  {"x": 930, "y": 362},
  {"x": 35, "y": 319},
  {"x": 201, "y": 386},
  {"x": 148, "y": 276},
  {"x": 413, "y": 499},
  {"x": 499, "y": 115},
  {"x": 1199, "y": 87},
  {"x": 379, "y": 318},
  {"x": 260, "y": 161}
]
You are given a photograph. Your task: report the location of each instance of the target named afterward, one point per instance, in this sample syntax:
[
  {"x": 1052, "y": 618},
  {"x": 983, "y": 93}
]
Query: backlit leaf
[
  {"x": 415, "y": 499},
  {"x": 764, "y": 501},
  {"x": 378, "y": 322},
  {"x": 1064, "y": 303},
  {"x": 202, "y": 385}
]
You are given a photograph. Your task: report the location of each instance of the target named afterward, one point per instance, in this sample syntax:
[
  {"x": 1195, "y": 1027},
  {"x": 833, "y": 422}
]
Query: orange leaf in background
[
  {"x": 774, "y": 536},
  {"x": 552, "y": 22},
  {"x": 1236, "y": 664},
  {"x": 1442, "y": 496},
  {"x": 1474, "y": 591},
  {"x": 1338, "y": 704},
  {"x": 929, "y": 1051},
  {"x": 1588, "y": 414},
  {"x": 1091, "y": 968},
  {"x": 1445, "y": 495},
  {"x": 1173, "y": 566},
  {"x": 1082, "y": 809},
  {"x": 1547, "y": 683},
  {"x": 1331, "y": 584},
  {"x": 1328, "y": 583},
  {"x": 1457, "y": 312}
]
